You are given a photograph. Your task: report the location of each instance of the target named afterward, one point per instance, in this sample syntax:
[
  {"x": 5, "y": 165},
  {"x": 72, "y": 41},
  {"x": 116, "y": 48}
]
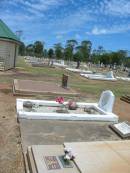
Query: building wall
[{"x": 8, "y": 53}]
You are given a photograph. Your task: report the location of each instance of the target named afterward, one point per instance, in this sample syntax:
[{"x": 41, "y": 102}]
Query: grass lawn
[{"x": 82, "y": 85}]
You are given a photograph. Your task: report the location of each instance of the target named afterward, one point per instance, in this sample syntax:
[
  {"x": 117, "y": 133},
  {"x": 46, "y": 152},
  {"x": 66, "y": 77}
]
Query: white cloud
[
  {"x": 113, "y": 30},
  {"x": 72, "y": 22},
  {"x": 36, "y": 7},
  {"x": 116, "y": 7},
  {"x": 77, "y": 36},
  {"x": 43, "y": 5},
  {"x": 75, "y": 16},
  {"x": 59, "y": 37}
]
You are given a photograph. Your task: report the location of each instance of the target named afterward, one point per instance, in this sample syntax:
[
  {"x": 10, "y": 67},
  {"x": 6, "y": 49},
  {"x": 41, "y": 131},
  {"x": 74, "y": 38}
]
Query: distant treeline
[{"x": 74, "y": 51}]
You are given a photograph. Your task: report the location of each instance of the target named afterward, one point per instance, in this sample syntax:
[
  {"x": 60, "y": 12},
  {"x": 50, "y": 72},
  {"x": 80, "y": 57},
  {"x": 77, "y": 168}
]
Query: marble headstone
[
  {"x": 110, "y": 74},
  {"x": 106, "y": 101}
]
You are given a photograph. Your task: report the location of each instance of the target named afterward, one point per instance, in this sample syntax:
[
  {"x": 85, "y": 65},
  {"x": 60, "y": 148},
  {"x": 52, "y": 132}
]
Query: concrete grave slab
[
  {"x": 30, "y": 87},
  {"x": 46, "y": 132},
  {"x": 102, "y": 157},
  {"x": 46, "y": 159}
]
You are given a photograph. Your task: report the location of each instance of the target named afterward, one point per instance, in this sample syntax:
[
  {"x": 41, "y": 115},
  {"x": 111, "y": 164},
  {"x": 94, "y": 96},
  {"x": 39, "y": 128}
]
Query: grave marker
[
  {"x": 52, "y": 162},
  {"x": 122, "y": 129},
  {"x": 64, "y": 81}
]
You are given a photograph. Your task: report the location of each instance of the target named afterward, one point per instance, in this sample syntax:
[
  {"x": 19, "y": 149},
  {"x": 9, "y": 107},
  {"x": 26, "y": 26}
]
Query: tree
[
  {"x": 69, "y": 50},
  {"x": 106, "y": 58},
  {"x": 50, "y": 56},
  {"x": 30, "y": 50},
  {"x": 118, "y": 57},
  {"x": 72, "y": 43},
  {"x": 78, "y": 56},
  {"x": 122, "y": 54},
  {"x": 100, "y": 50},
  {"x": 50, "y": 53},
  {"x": 68, "y": 53},
  {"x": 58, "y": 51},
  {"x": 38, "y": 49},
  {"x": 127, "y": 62},
  {"x": 100, "y": 55},
  {"x": 86, "y": 49},
  {"x": 22, "y": 49},
  {"x": 45, "y": 53}
]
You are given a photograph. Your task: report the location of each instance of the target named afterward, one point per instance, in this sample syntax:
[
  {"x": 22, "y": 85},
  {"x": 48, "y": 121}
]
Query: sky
[{"x": 104, "y": 22}]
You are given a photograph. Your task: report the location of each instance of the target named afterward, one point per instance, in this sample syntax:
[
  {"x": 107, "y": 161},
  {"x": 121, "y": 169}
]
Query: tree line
[{"x": 74, "y": 51}]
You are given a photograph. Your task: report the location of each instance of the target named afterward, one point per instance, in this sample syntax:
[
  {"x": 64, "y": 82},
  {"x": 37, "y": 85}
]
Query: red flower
[{"x": 60, "y": 100}]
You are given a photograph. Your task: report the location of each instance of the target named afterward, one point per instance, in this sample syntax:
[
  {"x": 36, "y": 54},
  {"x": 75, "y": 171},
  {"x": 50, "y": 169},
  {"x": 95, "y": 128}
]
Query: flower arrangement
[
  {"x": 69, "y": 155},
  {"x": 71, "y": 105},
  {"x": 62, "y": 108},
  {"x": 60, "y": 100}
]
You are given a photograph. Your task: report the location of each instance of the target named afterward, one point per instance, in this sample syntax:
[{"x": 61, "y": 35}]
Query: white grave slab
[
  {"x": 48, "y": 111},
  {"x": 109, "y": 76},
  {"x": 79, "y": 71},
  {"x": 123, "y": 78}
]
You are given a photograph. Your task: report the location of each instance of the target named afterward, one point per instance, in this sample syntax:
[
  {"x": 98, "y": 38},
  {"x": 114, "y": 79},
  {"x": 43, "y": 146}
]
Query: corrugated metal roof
[{"x": 6, "y": 33}]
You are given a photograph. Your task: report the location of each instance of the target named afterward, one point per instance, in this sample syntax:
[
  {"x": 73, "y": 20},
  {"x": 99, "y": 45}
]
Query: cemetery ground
[{"x": 11, "y": 160}]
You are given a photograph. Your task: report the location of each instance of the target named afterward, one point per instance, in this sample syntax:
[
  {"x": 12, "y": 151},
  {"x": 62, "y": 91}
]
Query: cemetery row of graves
[
  {"x": 60, "y": 111},
  {"x": 63, "y": 116}
]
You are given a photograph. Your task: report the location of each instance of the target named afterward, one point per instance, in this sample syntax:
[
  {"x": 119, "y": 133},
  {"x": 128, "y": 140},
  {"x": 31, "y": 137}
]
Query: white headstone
[
  {"x": 106, "y": 101},
  {"x": 110, "y": 74},
  {"x": 62, "y": 62}
]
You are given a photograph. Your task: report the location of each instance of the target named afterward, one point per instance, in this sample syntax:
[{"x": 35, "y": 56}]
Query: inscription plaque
[
  {"x": 52, "y": 162},
  {"x": 123, "y": 129}
]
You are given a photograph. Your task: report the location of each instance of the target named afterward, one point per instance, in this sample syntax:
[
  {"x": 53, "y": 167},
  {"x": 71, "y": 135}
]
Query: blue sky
[{"x": 104, "y": 22}]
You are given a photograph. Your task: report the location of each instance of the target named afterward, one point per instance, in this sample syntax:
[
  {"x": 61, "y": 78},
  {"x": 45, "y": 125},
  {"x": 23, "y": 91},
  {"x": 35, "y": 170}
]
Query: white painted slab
[
  {"x": 109, "y": 76},
  {"x": 79, "y": 71},
  {"x": 123, "y": 78},
  {"x": 104, "y": 109}
]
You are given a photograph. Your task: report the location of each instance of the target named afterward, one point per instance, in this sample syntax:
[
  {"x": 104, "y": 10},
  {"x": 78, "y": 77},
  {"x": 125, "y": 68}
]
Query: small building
[{"x": 9, "y": 44}]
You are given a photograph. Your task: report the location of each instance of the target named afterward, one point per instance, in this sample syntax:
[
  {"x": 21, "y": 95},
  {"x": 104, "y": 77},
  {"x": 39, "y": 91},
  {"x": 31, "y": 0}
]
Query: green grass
[
  {"x": 82, "y": 85},
  {"x": 52, "y": 72}
]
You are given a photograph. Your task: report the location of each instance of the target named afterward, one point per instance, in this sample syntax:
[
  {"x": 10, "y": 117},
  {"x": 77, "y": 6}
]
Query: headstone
[
  {"x": 122, "y": 129},
  {"x": 110, "y": 74},
  {"x": 106, "y": 101},
  {"x": 64, "y": 81},
  {"x": 62, "y": 62}
]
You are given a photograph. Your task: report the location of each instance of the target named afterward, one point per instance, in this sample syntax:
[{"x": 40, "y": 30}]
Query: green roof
[{"x": 6, "y": 33}]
